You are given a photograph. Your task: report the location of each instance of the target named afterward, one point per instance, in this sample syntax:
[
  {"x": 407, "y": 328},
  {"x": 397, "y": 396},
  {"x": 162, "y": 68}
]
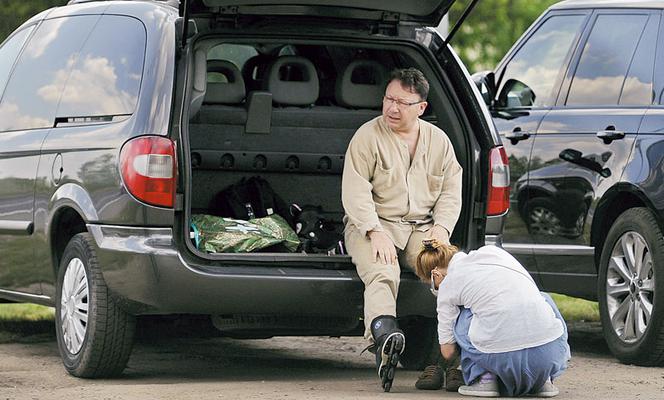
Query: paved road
[{"x": 283, "y": 368}]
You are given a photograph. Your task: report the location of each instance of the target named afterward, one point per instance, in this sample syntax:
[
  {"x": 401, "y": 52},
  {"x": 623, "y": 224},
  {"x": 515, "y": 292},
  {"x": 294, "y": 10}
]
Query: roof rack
[{"x": 172, "y": 3}]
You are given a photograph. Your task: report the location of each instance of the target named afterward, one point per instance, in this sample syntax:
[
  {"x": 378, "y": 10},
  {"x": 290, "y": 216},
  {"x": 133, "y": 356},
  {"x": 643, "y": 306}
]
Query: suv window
[
  {"x": 35, "y": 87},
  {"x": 106, "y": 78},
  {"x": 605, "y": 61},
  {"x": 638, "y": 87},
  {"x": 529, "y": 78},
  {"x": 8, "y": 53}
]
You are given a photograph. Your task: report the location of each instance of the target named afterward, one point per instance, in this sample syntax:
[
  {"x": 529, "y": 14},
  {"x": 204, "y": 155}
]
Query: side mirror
[{"x": 486, "y": 83}]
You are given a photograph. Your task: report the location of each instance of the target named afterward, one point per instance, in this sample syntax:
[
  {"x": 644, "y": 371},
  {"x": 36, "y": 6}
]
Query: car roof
[{"x": 608, "y": 4}]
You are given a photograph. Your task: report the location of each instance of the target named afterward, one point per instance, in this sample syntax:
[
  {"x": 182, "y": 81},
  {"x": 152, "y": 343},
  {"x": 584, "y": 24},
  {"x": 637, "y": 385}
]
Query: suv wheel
[
  {"x": 94, "y": 335},
  {"x": 541, "y": 218},
  {"x": 422, "y": 346},
  {"x": 631, "y": 271}
]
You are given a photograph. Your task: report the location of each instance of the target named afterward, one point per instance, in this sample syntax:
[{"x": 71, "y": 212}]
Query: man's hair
[
  {"x": 432, "y": 255},
  {"x": 413, "y": 80}
]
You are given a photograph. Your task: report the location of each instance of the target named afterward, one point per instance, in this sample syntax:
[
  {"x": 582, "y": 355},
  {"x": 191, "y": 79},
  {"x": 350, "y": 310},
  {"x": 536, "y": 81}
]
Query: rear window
[
  {"x": 106, "y": 77},
  {"x": 81, "y": 66},
  {"x": 35, "y": 87}
]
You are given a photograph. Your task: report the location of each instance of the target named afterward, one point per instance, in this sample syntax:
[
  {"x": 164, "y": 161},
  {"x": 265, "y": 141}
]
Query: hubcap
[
  {"x": 74, "y": 306},
  {"x": 630, "y": 287}
]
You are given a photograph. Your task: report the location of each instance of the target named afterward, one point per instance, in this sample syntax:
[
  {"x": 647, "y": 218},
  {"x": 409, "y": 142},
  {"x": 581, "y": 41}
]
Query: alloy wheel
[
  {"x": 74, "y": 305},
  {"x": 544, "y": 221},
  {"x": 630, "y": 287}
]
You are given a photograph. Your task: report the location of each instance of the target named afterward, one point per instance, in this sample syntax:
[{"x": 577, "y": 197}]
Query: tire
[
  {"x": 94, "y": 335},
  {"x": 631, "y": 289},
  {"x": 422, "y": 347}
]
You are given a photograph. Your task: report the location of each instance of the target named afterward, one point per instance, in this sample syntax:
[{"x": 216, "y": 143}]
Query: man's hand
[
  {"x": 382, "y": 247},
  {"x": 439, "y": 233}
]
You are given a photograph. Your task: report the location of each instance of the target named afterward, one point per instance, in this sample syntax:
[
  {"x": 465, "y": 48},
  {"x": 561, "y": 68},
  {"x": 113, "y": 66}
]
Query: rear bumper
[{"x": 148, "y": 275}]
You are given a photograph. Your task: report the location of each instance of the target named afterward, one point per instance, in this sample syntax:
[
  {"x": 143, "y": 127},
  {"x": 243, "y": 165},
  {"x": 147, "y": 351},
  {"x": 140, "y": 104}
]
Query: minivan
[{"x": 120, "y": 120}]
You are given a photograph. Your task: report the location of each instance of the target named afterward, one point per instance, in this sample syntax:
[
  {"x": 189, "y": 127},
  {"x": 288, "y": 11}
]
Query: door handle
[
  {"x": 517, "y": 135},
  {"x": 610, "y": 134}
]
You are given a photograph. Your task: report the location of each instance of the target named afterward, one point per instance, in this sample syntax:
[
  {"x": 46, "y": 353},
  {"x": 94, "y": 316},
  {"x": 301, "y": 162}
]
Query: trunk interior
[{"x": 286, "y": 110}]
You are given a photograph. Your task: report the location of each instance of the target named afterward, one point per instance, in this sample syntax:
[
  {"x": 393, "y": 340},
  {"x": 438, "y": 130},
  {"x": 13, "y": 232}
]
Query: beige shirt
[{"x": 383, "y": 190}]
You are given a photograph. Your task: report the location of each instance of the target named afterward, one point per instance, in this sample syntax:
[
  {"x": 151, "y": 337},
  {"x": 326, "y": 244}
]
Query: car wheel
[
  {"x": 422, "y": 347},
  {"x": 541, "y": 218},
  {"x": 631, "y": 272},
  {"x": 94, "y": 335}
]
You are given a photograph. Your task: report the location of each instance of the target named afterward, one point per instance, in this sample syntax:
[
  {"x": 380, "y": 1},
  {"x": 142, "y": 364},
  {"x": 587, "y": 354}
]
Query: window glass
[
  {"x": 35, "y": 87},
  {"x": 606, "y": 56},
  {"x": 538, "y": 62},
  {"x": 238, "y": 54},
  {"x": 8, "y": 53},
  {"x": 637, "y": 89},
  {"x": 106, "y": 77}
]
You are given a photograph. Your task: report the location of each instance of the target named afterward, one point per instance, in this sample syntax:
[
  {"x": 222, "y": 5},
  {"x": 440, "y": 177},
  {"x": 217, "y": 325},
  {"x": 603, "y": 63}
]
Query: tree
[
  {"x": 492, "y": 28},
  {"x": 14, "y": 12}
]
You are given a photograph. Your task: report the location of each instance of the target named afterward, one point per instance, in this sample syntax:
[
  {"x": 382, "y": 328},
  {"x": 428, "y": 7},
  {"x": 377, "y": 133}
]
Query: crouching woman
[{"x": 512, "y": 338}]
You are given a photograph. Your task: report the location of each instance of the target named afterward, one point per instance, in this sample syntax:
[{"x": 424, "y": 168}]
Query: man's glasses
[{"x": 400, "y": 103}]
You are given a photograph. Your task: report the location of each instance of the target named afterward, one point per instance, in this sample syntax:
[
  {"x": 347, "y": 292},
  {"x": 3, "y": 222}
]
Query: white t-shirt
[{"x": 509, "y": 313}]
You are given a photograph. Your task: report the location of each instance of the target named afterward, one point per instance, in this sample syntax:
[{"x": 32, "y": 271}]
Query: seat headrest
[
  {"x": 254, "y": 70},
  {"x": 361, "y": 85},
  {"x": 224, "y": 83},
  {"x": 293, "y": 80}
]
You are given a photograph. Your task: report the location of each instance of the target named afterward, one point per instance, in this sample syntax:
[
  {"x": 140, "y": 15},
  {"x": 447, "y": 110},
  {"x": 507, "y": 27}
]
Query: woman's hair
[{"x": 433, "y": 254}]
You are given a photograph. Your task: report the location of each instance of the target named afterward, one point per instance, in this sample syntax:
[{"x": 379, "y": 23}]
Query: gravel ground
[{"x": 283, "y": 368}]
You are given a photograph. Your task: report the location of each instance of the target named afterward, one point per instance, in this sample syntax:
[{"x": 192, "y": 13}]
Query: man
[{"x": 401, "y": 184}]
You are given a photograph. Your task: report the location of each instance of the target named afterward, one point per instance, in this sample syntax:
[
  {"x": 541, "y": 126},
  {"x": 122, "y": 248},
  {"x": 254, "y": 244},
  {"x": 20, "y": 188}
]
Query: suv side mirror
[{"x": 486, "y": 83}]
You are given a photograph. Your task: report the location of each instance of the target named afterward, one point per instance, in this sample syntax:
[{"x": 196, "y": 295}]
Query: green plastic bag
[{"x": 227, "y": 235}]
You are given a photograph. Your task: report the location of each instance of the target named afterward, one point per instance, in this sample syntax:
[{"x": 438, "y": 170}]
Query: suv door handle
[
  {"x": 610, "y": 134},
  {"x": 517, "y": 135}
]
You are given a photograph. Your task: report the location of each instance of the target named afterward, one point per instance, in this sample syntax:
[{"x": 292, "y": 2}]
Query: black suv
[
  {"x": 579, "y": 104},
  {"x": 119, "y": 120}
]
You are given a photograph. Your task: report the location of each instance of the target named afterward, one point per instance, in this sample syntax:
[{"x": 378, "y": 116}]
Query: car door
[
  {"x": 584, "y": 142},
  {"x": 529, "y": 80},
  {"x": 27, "y": 114},
  {"x": 19, "y": 153}
]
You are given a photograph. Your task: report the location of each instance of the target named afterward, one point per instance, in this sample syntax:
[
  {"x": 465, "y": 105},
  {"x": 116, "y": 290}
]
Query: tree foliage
[
  {"x": 492, "y": 28},
  {"x": 14, "y": 12}
]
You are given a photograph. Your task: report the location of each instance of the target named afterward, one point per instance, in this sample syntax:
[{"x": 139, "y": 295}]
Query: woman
[{"x": 512, "y": 338}]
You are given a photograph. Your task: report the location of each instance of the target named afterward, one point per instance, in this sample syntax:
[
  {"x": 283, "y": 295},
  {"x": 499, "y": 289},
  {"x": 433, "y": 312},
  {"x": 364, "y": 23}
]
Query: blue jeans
[{"x": 519, "y": 372}]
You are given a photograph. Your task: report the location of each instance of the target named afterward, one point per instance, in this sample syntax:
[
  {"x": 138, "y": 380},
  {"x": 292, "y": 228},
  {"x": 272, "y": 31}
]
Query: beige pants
[{"x": 381, "y": 281}]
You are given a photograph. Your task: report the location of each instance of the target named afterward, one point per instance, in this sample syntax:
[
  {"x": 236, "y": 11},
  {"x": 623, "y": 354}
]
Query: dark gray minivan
[{"x": 119, "y": 120}]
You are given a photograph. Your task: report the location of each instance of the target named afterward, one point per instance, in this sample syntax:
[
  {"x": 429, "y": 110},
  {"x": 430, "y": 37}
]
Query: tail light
[
  {"x": 147, "y": 166},
  {"x": 499, "y": 182}
]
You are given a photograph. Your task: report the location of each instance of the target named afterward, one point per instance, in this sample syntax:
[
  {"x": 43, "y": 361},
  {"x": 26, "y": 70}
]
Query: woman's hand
[{"x": 448, "y": 351}]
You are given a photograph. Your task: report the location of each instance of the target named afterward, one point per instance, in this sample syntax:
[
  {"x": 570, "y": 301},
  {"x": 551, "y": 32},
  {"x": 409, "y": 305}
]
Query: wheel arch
[
  {"x": 616, "y": 201},
  {"x": 71, "y": 209}
]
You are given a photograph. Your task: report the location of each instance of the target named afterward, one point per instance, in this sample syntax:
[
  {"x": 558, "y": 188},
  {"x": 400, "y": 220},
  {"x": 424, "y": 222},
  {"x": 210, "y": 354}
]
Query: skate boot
[{"x": 389, "y": 343}]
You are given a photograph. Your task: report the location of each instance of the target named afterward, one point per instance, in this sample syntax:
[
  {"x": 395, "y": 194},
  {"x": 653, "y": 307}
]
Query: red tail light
[
  {"x": 499, "y": 182},
  {"x": 147, "y": 165}
]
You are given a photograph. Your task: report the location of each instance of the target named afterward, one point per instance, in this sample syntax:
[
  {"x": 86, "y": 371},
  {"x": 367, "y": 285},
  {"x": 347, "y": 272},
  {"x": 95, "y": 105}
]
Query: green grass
[
  {"x": 25, "y": 312},
  {"x": 18, "y": 321},
  {"x": 575, "y": 310}
]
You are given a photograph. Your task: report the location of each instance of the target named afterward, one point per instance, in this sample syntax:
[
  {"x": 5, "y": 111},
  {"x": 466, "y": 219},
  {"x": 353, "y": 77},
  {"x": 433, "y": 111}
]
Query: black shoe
[{"x": 390, "y": 343}]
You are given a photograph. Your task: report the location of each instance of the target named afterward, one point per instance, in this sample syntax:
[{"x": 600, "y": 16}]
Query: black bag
[
  {"x": 317, "y": 233},
  {"x": 248, "y": 199}
]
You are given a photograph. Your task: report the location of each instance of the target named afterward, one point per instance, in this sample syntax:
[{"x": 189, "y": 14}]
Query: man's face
[{"x": 401, "y": 107}]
